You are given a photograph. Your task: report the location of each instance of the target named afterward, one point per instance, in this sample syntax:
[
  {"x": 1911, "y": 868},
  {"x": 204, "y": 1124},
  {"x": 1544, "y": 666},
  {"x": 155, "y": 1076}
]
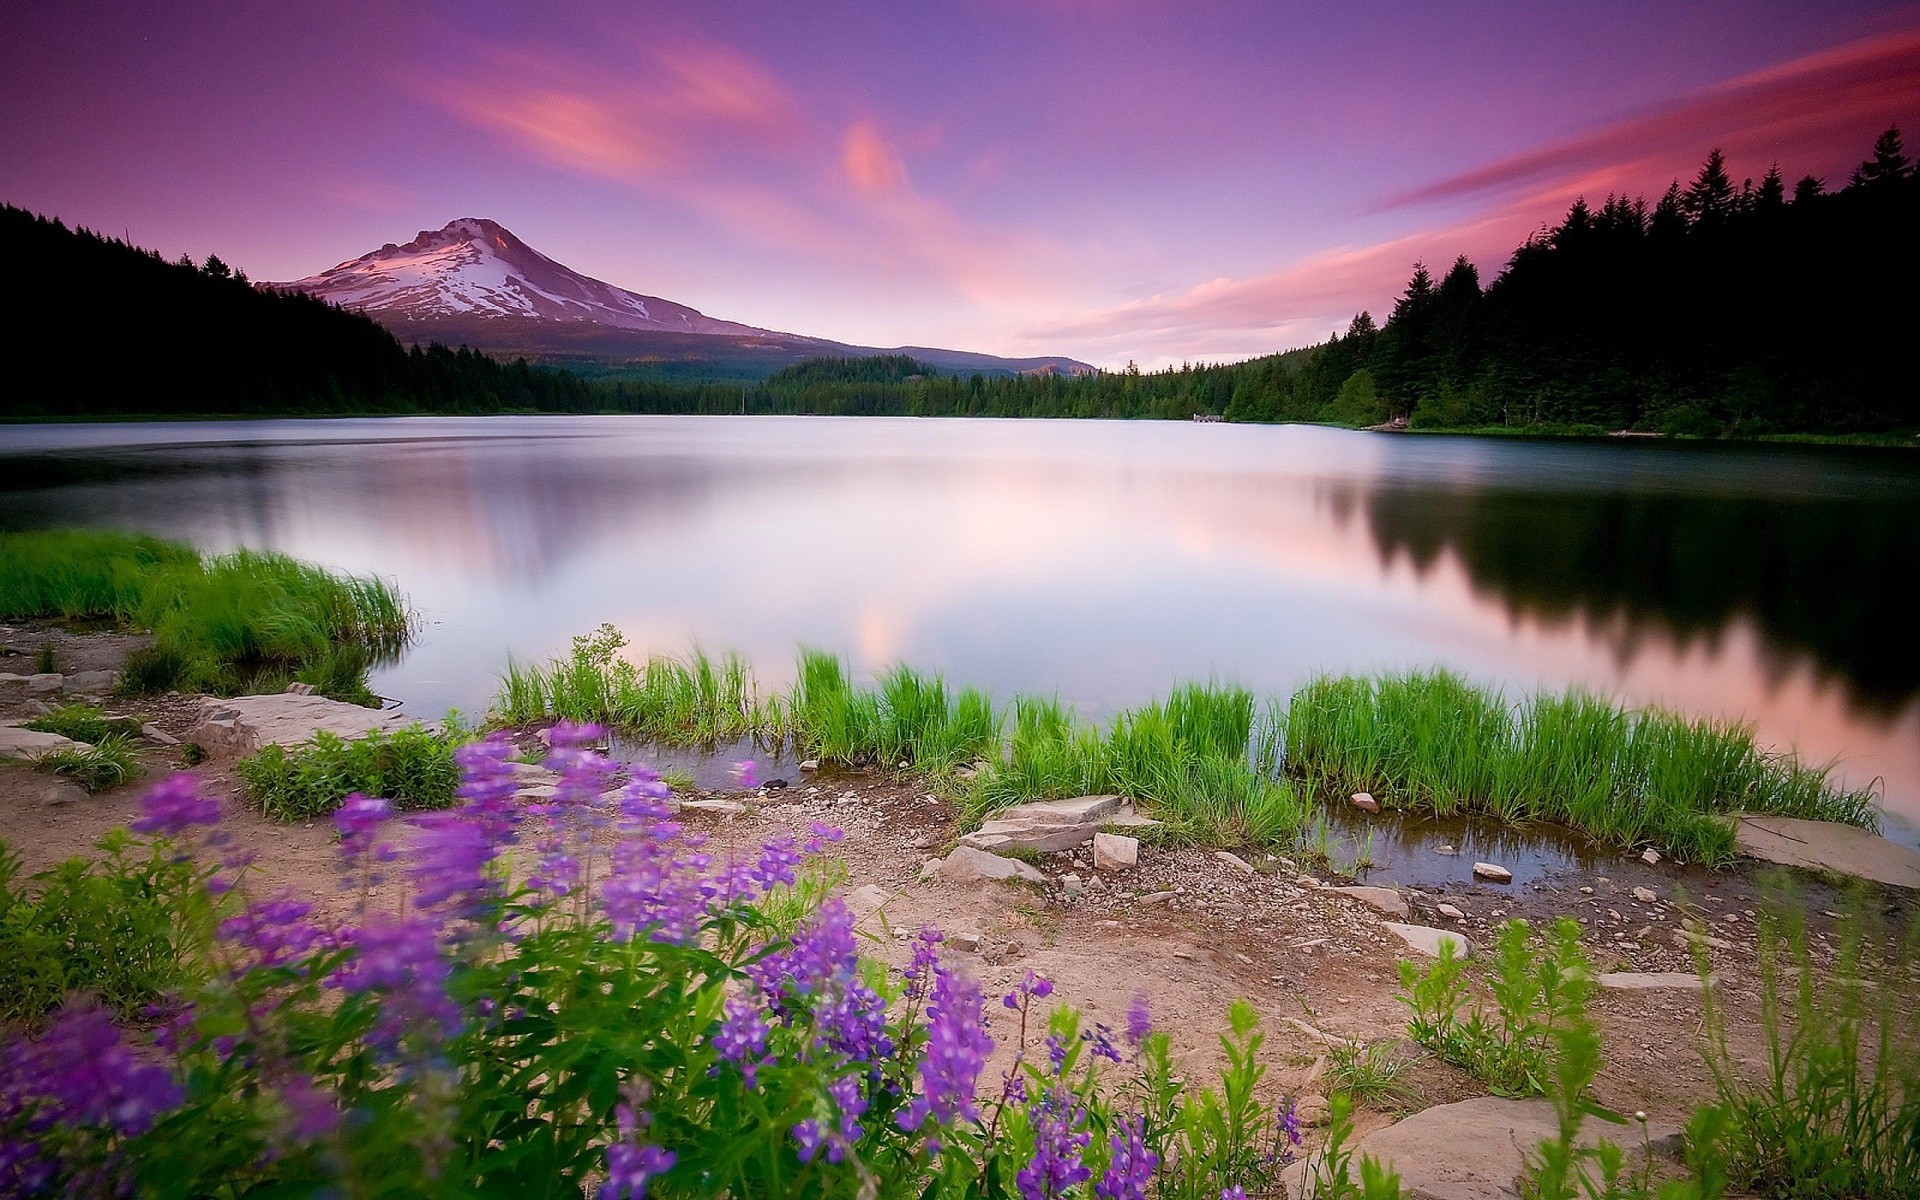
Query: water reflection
[{"x": 1102, "y": 561}]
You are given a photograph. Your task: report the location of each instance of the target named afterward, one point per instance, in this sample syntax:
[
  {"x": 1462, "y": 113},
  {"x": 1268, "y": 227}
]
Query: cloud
[
  {"x": 871, "y": 164},
  {"x": 1807, "y": 109}
]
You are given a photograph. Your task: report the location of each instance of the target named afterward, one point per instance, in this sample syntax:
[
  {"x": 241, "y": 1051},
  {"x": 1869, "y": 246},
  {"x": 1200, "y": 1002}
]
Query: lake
[{"x": 1102, "y": 561}]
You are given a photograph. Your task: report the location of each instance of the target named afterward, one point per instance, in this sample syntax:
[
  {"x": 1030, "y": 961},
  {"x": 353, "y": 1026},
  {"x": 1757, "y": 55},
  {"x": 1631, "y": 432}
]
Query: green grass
[
  {"x": 222, "y": 624},
  {"x": 84, "y": 723},
  {"x": 106, "y": 764},
  {"x": 1627, "y": 777},
  {"x": 412, "y": 767}
]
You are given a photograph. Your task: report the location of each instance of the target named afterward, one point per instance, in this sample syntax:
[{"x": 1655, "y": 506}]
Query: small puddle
[
  {"x": 712, "y": 767},
  {"x": 1438, "y": 853}
]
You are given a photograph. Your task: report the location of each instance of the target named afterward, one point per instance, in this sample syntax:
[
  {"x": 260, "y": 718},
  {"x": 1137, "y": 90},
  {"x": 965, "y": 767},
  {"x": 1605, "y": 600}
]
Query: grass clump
[
  {"x": 1835, "y": 1109},
  {"x": 119, "y": 928},
  {"x": 221, "y": 624},
  {"x": 913, "y": 721},
  {"x": 695, "y": 699},
  {"x": 1627, "y": 777},
  {"x": 412, "y": 767},
  {"x": 105, "y": 764},
  {"x": 83, "y": 723}
]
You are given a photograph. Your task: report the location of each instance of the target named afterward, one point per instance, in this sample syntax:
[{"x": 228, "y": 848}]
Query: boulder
[
  {"x": 1650, "y": 981},
  {"x": 965, "y": 864},
  {"x": 1493, "y": 871},
  {"x": 238, "y": 726},
  {"x": 1450, "y": 911},
  {"x": 1426, "y": 940},
  {"x": 158, "y": 736},
  {"x": 16, "y": 742},
  {"x": 1476, "y": 1149},
  {"x": 1380, "y": 899},
  {"x": 1364, "y": 802},
  {"x": 1050, "y": 826},
  {"x": 92, "y": 682},
  {"x": 866, "y": 899},
  {"x": 1827, "y": 846},
  {"x": 725, "y": 808},
  {"x": 1115, "y": 852}
]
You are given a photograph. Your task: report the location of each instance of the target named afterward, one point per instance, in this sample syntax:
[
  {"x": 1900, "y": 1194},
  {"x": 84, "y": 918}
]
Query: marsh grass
[
  {"x": 241, "y": 621},
  {"x": 1628, "y": 777},
  {"x": 107, "y": 763}
]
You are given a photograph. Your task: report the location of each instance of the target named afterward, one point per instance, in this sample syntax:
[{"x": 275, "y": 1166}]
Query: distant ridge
[{"x": 473, "y": 282}]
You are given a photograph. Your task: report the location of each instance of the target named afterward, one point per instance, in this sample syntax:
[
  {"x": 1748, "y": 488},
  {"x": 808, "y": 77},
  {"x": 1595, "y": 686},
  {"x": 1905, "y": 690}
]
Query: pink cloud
[
  {"x": 1819, "y": 109},
  {"x": 871, "y": 164}
]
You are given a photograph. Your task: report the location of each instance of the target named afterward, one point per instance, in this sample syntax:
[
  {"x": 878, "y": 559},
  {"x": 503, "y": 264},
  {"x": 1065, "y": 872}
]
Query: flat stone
[
  {"x": 725, "y": 808},
  {"x": 1493, "y": 871},
  {"x": 527, "y": 772},
  {"x": 1476, "y": 1149},
  {"x": 1449, "y": 851},
  {"x": 1827, "y": 846},
  {"x": 1158, "y": 897},
  {"x": 965, "y": 864},
  {"x": 1645, "y": 895},
  {"x": 1364, "y": 802},
  {"x": 16, "y": 742},
  {"x": 1650, "y": 856},
  {"x": 158, "y": 736},
  {"x": 1450, "y": 911},
  {"x": 1080, "y": 810},
  {"x": 1115, "y": 852},
  {"x": 92, "y": 681},
  {"x": 1008, "y": 834},
  {"x": 44, "y": 684},
  {"x": 1380, "y": 899},
  {"x": 62, "y": 792},
  {"x": 240, "y": 725},
  {"x": 868, "y": 898},
  {"x": 1235, "y": 861},
  {"x": 536, "y": 791},
  {"x": 1650, "y": 981},
  {"x": 1427, "y": 940},
  {"x": 811, "y": 764}
]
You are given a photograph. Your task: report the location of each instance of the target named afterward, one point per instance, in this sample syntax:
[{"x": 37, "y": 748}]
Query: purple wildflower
[
  {"x": 1056, "y": 1053},
  {"x": 356, "y": 819},
  {"x": 1131, "y": 1168},
  {"x": 1035, "y": 987},
  {"x": 1056, "y": 1164},
  {"x": 778, "y": 858},
  {"x": 400, "y": 960},
  {"x": 1139, "y": 1022},
  {"x": 1102, "y": 1039},
  {"x": 956, "y": 1050},
  {"x": 276, "y": 932},
  {"x": 311, "y": 1113},
  {"x": 1236, "y": 1192},
  {"x": 742, "y": 1036},
  {"x": 822, "y": 834},
  {"x": 926, "y": 961},
  {"x": 630, "y": 1164},
  {"x": 839, "y": 1136},
  {"x": 1289, "y": 1131},
  {"x": 174, "y": 806},
  {"x": 80, "y": 1073},
  {"x": 450, "y": 857}
]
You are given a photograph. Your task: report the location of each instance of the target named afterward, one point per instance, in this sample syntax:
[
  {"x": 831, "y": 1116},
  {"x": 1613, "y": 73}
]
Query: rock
[
  {"x": 16, "y": 742},
  {"x": 965, "y": 864},
  {"x": 299, "y": 689},
  {"x": 1827, "y": 846},
  {"x": 1687, "y": 939},
  {"x": 1114, "y": 852},
  {"x": 1307, "y": 881},
  {"x": 965, "y": 940},
  {"x": 1427, "y": 940},
  {"x": 158, "y": 736},
  {"x": 1235, "y": 861},
  {"x": 1380, "y": 899},
  {"x": 867, "y": 899},
  {"x": 1312, "y": 1110},
  {"x": 45, "y": 684},
  {"x": 724, "y": 808},
  {"x": 62, "y": 792},
  {"x": 1493, "y": 871},
  {"x": 1650, "y": 981},
  {"x": 1650, "y": 856},
  {"x": 527, "y": 772},
  {"x": 1364, "y": 802},
  {"x": 236, "y": 727},
  {"x": 1315, "y": 1033},
  {"x": 1450, "y": 851},
  {"x": 1645, "y": 895},
  {"x": 1046, "y": 826},
  {"x": 1449, "y": 911},
  {"x": 93, "y": 682},
  {"x": 1157, "y": 897},
  {"x": 1476, "y": 1149},
  {"x": 536, "y": 791},
  {"x": 811, "y": 764},
  {"x": 1072, "y": 885}
]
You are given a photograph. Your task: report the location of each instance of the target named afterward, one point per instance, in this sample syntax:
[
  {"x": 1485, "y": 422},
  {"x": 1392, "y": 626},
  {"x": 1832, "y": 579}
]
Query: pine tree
[
  {"x": 1711, "y": 198},
  {"x": 1809, "y": 187},
  {"x": 1772, "y": 196},
  {"x": 1888, "y": 166}
]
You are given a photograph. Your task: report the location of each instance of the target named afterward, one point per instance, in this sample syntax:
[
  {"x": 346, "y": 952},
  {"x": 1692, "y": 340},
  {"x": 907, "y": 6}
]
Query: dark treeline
[{"x": 1717, "y": 309}]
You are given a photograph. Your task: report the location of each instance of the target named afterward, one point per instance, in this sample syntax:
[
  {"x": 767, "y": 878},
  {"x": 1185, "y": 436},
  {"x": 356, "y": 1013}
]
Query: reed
[{"x": 1627, "y": 777}]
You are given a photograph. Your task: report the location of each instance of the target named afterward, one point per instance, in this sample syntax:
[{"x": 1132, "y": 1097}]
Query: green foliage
[
  {"x": 413, "y": 767},
  {"x": 44, "y": 662},
  {"x": 83, "y": 723},
  {"x": 876, "y": 368},
  {"x": 125, "y": 927},
  {"x": 105, "y": 764},
  {"x": 1629, "y": 777},
  {"x": 1534, "y": 996},
  {"x": 1368, "y": 1072},
  {"x": 1836, "y": 1110},
  {"x": 1330, "y": 1173},
  {"x": 222, "y": 624}
]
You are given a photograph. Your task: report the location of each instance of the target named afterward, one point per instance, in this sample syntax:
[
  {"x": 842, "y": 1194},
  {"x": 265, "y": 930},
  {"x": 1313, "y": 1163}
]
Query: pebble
[
  {"x": 1493, "y": 871},
  {"x": 1449, "y": 911},
  {"x": 1645, "y": 895},
  {"x": 1650, "y": 856}
]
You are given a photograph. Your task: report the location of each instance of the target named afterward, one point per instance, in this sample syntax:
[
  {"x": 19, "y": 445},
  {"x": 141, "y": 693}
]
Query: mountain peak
[{"x": 476, "y": 267}]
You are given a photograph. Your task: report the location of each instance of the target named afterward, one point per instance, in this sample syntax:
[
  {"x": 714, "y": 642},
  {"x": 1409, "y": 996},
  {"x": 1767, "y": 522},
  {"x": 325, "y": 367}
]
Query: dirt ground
[{"x": 1316, "y": 964}]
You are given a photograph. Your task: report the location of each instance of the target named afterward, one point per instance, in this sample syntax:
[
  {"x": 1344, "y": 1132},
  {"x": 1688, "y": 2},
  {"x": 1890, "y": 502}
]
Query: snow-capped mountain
[
  {"x": 474, "y": 267},
  {"x": 473, "y": 283}
]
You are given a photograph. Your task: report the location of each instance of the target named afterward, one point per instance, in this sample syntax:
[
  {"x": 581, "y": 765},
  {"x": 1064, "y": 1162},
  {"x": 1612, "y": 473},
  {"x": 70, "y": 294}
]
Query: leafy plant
[
  {"x": 82, "y": 723},
  {"x": 106, "y": 764},
  {"x": 413, "y": 767}
]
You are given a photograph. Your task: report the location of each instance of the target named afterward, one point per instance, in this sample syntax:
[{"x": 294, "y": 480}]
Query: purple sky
[{"x": 1110, "y": 179}]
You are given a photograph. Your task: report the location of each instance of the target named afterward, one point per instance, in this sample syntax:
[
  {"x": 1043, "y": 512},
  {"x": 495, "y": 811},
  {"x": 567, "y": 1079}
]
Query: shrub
[
  {"x": 120, "y": 929},
  {"x": 413, "y": 767}
]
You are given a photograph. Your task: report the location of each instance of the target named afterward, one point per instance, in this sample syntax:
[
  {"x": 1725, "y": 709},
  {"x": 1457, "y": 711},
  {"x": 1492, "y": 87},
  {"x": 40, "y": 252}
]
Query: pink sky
[{"x": 1110, "y": 179}]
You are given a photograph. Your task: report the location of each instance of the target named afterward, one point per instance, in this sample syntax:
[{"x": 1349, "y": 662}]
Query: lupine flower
[
  {"x": 449, "y": 862},
  {"x": 837, "y": 1137},
  {"x": 742, "y": 1036},
  {"x": 276, "y": 932},
  {"x": 1289, "y": 1130},
  {"x": 747, "y": 774},
  {"x": 175, "y": 805},
  {"x": 956, "y": 1050},
  {"x": 1056, "y": 1053},
  {"x": 311, "y": 1113},
  {"x": 1236, "y": 1192},
  {"x": 1131, "y": 1168},
  {"x": 1056, "y": 1164},
  {"x": 356, "y": 819},
  {"x": 629, "y": 1163},
  {"x": 1036, "y": 987},
  {"x": 1102, "y": 1039},
  {"x": 778, "y": 858},
  {"x": 401, "y": 960},
  {"x": 925, "y": 961},
  {"x": 1139, "y": 1022},
  {"x": 487, "y": 787},
  {"x": 80, "y": 1073},
  {"x": 823, "y": 834}
]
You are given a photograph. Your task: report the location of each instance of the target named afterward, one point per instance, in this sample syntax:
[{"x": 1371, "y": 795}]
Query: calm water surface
[{"x": 1100, "y": 560}]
